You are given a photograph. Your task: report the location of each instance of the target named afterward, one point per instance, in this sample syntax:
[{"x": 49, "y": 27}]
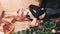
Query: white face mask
[
  {"x": 25, "y": 11},
  {"x": 29, "y": 13}
]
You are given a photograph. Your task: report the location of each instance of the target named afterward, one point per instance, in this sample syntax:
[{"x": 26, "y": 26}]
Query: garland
[{"x": 45, "y": 27}]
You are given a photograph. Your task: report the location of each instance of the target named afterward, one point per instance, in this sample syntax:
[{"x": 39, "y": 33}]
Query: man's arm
[{"x": 33, "y": 22}]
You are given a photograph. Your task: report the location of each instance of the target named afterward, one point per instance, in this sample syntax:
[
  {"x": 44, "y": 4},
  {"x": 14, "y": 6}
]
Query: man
[{"x": 47, "y": 10}]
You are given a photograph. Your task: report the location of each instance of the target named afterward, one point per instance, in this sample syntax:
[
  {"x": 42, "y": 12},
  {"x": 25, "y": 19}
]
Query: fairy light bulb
[{"x": 53, "y": 31}]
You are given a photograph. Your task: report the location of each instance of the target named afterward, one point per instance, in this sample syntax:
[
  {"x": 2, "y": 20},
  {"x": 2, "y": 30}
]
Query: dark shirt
[
  {"x": 50, "y": 3},
  {"x": 52, "y": 13},
  {"x": 52, "y": 8}
]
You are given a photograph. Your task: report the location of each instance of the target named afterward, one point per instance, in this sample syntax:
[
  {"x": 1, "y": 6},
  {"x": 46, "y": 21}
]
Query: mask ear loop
[
  {"x": 18, "y": 11},
  {"x": 27, "y": 16}
]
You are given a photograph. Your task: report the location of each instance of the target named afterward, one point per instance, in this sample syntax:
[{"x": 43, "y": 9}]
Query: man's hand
[{"x": 33, "y": 22}]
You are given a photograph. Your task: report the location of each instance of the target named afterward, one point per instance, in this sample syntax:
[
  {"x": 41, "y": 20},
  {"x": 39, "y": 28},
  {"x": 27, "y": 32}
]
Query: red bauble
[{"x": 30, "y": 26}]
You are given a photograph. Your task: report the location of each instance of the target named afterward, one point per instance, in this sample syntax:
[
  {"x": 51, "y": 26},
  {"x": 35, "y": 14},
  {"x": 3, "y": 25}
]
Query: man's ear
[{"x": 42, "y": 16}]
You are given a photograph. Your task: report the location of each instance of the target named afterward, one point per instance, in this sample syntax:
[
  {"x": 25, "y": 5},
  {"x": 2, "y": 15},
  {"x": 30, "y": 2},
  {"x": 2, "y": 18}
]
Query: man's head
[
  {"x": 37, "y": 12},
  {"x": 32, "y": 12}
]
